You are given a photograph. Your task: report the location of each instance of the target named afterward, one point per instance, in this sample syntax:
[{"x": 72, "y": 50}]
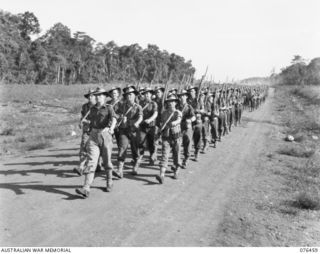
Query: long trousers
[
  {"x": 205, "y": 132},
  {"x": 186, "y": 142},
  {"x": 117, "y": 137},
  {"x": 167, "y": 145},
  {"x": 223, "y": 123},
  {"x": 99, "y": 144},
  {"x": 197, "y": 135},
  {"x": 214, "y": 128},
  {"x": 126, "y": 138},
  {"x": 83, "y": 151},
  {"x": 231, "y": 118},
  {"x": 147, "y": 140},
  {"x": 238, "y": 113}
]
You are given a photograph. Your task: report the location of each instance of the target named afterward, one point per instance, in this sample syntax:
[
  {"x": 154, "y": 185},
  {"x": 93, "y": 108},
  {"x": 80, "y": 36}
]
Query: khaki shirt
[{"x": 101, "y": 117}]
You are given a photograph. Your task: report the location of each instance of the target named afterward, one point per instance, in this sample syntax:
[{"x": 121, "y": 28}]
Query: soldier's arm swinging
[
  {"x": 152, "y": 118},
  {"x": 178, "y": 121}
]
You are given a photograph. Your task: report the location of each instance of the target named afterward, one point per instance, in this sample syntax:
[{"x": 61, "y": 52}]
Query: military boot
[
  {"x": 109, "y": 181},
  {"x": 196, "y": 153},
  {"x": 184, "y": 163},
  {"x": 153, "y": 159},
  {"x": 204, "y": 149},
  {"x": 176, "y": 171},
  {"x": 136, "y": 166},
  {"x": 160, "y": 177},
  {"x": 119, "y": 172}
]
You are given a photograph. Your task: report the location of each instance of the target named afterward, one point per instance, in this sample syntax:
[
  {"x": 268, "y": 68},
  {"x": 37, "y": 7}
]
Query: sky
[{"x": 236, "y": 39}]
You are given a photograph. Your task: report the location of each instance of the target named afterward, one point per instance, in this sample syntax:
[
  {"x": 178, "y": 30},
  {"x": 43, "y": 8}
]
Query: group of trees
[
  {"x": 300, "y": 73},
  {"x": 58, "y": 57}
]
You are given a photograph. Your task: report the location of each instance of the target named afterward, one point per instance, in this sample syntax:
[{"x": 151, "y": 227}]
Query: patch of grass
[
  {"x": 42, "y": 144},
  {"x": 7, "y": 132},
  {"x": 296, "y": 152},
  {"x": 310, "y": 93},
  {"x": 54, "y": 135},
  {"x": 21, "y": 139},
  {"x": 25, "y": 110},
  {"x": 76, "y": 109}
]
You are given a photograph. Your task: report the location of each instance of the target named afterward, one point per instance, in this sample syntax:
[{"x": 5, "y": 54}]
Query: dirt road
[{"x": 39, "y": 206}]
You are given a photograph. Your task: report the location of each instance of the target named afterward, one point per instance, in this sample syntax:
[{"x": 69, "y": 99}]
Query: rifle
[
  {"x": 139, "y": 82},
  {"x": 165, "y": 91},
  {"x": 180, "y": 85},
  {"x": 200, "y": 85},
  {"x": 128, "y": 111},
  {"x": 164, "y": 125},
  {"x": 84, "y": 118}
]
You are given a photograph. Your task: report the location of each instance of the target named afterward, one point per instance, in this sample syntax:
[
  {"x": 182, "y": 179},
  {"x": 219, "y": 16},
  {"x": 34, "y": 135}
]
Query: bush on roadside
[{"x": 297, "y": 152}]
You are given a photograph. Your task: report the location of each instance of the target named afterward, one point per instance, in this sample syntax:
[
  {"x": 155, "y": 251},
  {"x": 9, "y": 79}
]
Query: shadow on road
[
  {"x": 36, "y": 163},
  {"x": 54, "y": 156},
  {"x": 50, "y": 171},
  {"x": 19, "y": 188}
]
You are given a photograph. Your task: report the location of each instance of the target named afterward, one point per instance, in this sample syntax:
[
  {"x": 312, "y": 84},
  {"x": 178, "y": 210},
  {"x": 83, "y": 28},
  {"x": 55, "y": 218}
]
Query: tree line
[
  {"x": 59, "y": 57},
  {"x": 299, "y": 72}
]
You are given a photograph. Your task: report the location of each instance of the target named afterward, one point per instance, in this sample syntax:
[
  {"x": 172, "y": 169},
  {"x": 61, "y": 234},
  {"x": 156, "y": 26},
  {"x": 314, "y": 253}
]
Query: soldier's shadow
[
  {"x": 50, "y": 171},
  {"x": 19, "y": 188},
  {"x": 62, "y": 173},
  {"x": 141, "y": 177}
]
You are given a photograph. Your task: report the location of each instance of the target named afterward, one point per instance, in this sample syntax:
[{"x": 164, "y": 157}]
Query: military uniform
[
  {"x": 129, "y": 134},
  {"x": 148, "y": 130},
  {"x": 99, "y": 143},
  {"x": 214, "y": 122},
  {"x": 84, "y": 125},
  {"x": 186, "y": 130},
  {"x": 171, "y": 139},
  {"x": 117, "y": 105},
  {"x": 84, "y": 137},
  {"x": 197, "y": 127},
  {"x": 206, "y": 111},
  {"x": 238, "y": 109}
]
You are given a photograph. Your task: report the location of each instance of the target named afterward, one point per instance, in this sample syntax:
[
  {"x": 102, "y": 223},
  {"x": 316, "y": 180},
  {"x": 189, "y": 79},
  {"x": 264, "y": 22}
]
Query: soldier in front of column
[
  {"x": 170, "y": 131},
  {"x": 148, "y": 126},
  {"x": 188, "y": 117},
  {"x": 131, "y": 117},
  {"x": 102, "y": 123},
  {"x": 84, "y": 126}
]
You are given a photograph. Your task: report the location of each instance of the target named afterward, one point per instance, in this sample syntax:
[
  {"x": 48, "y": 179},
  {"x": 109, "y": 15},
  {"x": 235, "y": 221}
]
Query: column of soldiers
[{"x": 145, "y": 120}]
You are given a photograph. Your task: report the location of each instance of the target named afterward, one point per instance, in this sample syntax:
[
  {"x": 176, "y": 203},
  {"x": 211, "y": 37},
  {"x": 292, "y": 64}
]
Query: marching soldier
[
  {"x": 159, "y": 94},
  {"x": 84, "y": 125},
  {"x": 171, "y": 137},
  {"x": 173, "y": 91},
  {"x": 197, "y": 124},
  {"x": 205, "y": 110},
  {"x": 102, "y": 123},
  {"x": 116, "y": 103},
  {"x": 238, "y": 108},
  {"x": 214, "y": 122},
  {"x": 148, "y": 125},
  {"x": 188, "y": 117},
  {"x": 131, "y": 117}
]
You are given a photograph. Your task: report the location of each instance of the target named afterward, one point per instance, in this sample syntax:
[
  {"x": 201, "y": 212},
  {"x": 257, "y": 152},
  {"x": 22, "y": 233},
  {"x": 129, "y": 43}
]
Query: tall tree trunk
[{"x": 58, "y": 74}]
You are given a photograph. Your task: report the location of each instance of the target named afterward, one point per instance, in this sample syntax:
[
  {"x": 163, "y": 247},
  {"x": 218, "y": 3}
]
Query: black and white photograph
[{"x": 136, "y": 123}]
